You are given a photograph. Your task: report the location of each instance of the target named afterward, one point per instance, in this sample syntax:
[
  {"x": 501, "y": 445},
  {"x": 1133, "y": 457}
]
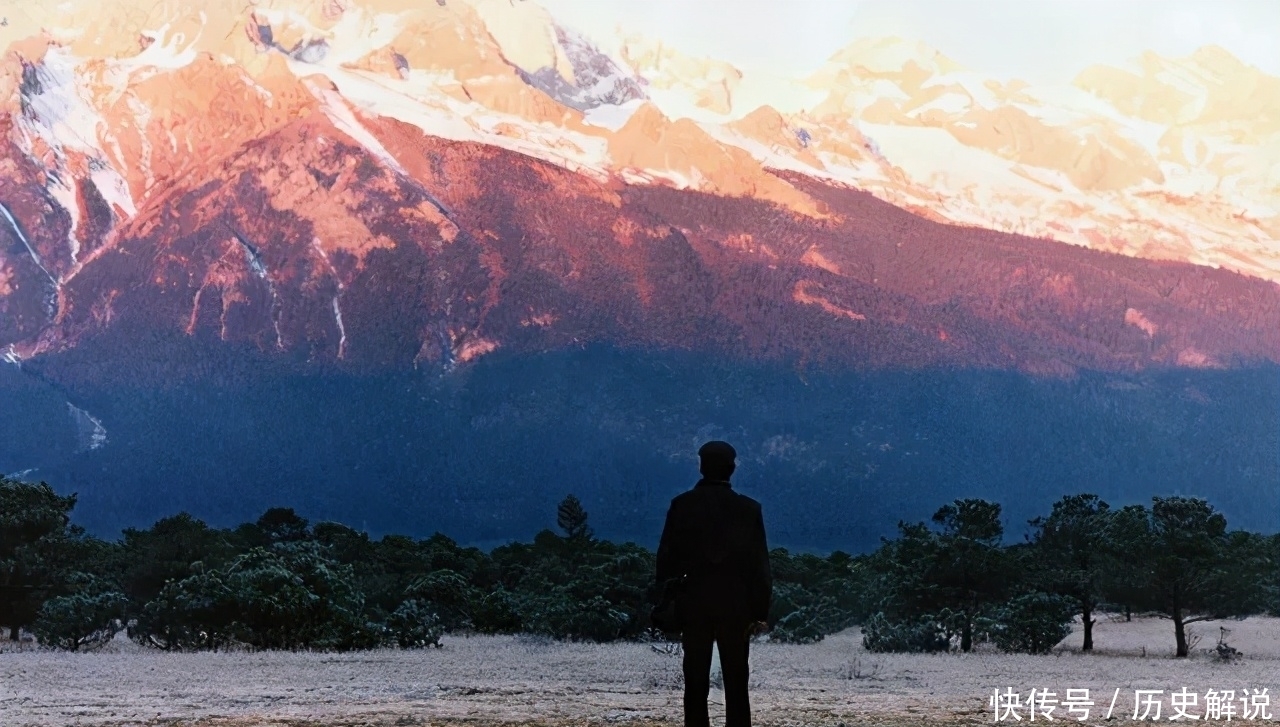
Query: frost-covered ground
[{"x": 506, "y": 680}]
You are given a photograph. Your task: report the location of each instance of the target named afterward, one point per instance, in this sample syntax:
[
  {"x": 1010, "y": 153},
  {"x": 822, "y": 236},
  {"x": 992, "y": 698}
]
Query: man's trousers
[{"x": 729, "y": 637}]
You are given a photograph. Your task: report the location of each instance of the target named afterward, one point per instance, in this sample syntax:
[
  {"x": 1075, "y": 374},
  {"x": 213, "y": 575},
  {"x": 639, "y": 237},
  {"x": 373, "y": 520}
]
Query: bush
[
  {"x": 787, "y": 599},
  {"x": 356, "y": 635},
  {"x": 193, "y": 613},
  {"x": 289, "y": 596},
  {"x": 803, "y": 626},
  {"x": 801, "y": 616},
  {"x": 562, "y": 616},
  {"x": 497, "y": 613},
  {"x": 449, "y": 595},
  {"x": 414, "y": 625},
  {"x": 1033, "y": 623},
  {"x": 294, "y": 596},
  {"x": 921, "y": 635},
  {"x": 88, "y": 618}
]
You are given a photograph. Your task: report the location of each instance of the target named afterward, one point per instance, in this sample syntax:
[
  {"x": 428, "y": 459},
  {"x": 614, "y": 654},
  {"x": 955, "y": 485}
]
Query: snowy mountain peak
[{"x": 121, "y": 102}]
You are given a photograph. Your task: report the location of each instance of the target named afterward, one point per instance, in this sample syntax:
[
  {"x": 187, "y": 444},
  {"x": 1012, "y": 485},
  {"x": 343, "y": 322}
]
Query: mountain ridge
[
  {"x": 473, "y": 260},
  {"x": 1020, "y": 180},
  {"x": 115, "y": 141}
]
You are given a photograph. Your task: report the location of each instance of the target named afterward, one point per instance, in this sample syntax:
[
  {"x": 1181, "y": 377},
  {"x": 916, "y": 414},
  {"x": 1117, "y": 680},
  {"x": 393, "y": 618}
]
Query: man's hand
[{"x": 756, "y": 628}]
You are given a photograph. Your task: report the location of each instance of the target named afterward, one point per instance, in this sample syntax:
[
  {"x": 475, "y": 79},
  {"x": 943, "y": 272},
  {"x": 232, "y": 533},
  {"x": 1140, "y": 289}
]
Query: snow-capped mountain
[{"x": 264, "y": 154}]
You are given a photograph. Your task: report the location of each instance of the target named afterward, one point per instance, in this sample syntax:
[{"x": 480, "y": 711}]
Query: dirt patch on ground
[{"x": 495, "y": 681}]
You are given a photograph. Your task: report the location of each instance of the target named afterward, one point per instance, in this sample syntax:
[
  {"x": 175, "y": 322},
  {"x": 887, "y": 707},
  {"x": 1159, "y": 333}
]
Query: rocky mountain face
[{"x": 211, "y": 194}]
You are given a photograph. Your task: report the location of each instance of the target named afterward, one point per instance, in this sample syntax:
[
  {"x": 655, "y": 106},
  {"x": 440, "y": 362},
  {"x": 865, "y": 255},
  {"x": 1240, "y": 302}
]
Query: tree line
[{"x": 282, "y": 582}]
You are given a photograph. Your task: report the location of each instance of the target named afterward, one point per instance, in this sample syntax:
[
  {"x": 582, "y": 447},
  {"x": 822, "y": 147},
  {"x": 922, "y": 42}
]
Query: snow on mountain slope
[
  {"x": 1167, "y": 158},
  {"x": 1137, "y": 179}
]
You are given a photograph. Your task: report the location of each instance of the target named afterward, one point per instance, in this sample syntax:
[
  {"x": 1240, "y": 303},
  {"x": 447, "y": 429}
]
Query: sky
[{"x": 1042, "y": 41}]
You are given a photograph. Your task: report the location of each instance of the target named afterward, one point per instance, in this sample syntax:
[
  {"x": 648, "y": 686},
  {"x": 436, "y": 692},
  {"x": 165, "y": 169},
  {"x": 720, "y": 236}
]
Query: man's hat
[{"x": 717, "y": 450}]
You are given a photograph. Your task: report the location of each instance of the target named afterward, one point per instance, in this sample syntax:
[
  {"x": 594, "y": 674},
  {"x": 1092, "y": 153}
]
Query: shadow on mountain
[{"x": 484, "y": 453}]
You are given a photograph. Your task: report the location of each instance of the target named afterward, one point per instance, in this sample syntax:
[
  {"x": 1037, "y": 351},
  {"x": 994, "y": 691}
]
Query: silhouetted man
[{"x": 717, "y": 536}]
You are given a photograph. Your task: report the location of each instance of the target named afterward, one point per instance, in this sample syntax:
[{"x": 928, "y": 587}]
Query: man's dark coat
[{"x": 718, "y": 535}]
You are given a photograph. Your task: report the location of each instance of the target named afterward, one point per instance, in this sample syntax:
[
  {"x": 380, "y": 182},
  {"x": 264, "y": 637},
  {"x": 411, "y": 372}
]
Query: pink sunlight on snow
[{"x": 1048, "y": 41}]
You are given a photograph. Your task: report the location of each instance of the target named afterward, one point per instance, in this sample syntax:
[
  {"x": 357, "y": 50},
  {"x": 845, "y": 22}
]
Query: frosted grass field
[{"x": 492, "y": 680}]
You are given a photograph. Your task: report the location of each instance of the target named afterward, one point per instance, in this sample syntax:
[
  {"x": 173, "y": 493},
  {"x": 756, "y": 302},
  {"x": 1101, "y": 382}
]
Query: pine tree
[{"x": 572, "y": 519}]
